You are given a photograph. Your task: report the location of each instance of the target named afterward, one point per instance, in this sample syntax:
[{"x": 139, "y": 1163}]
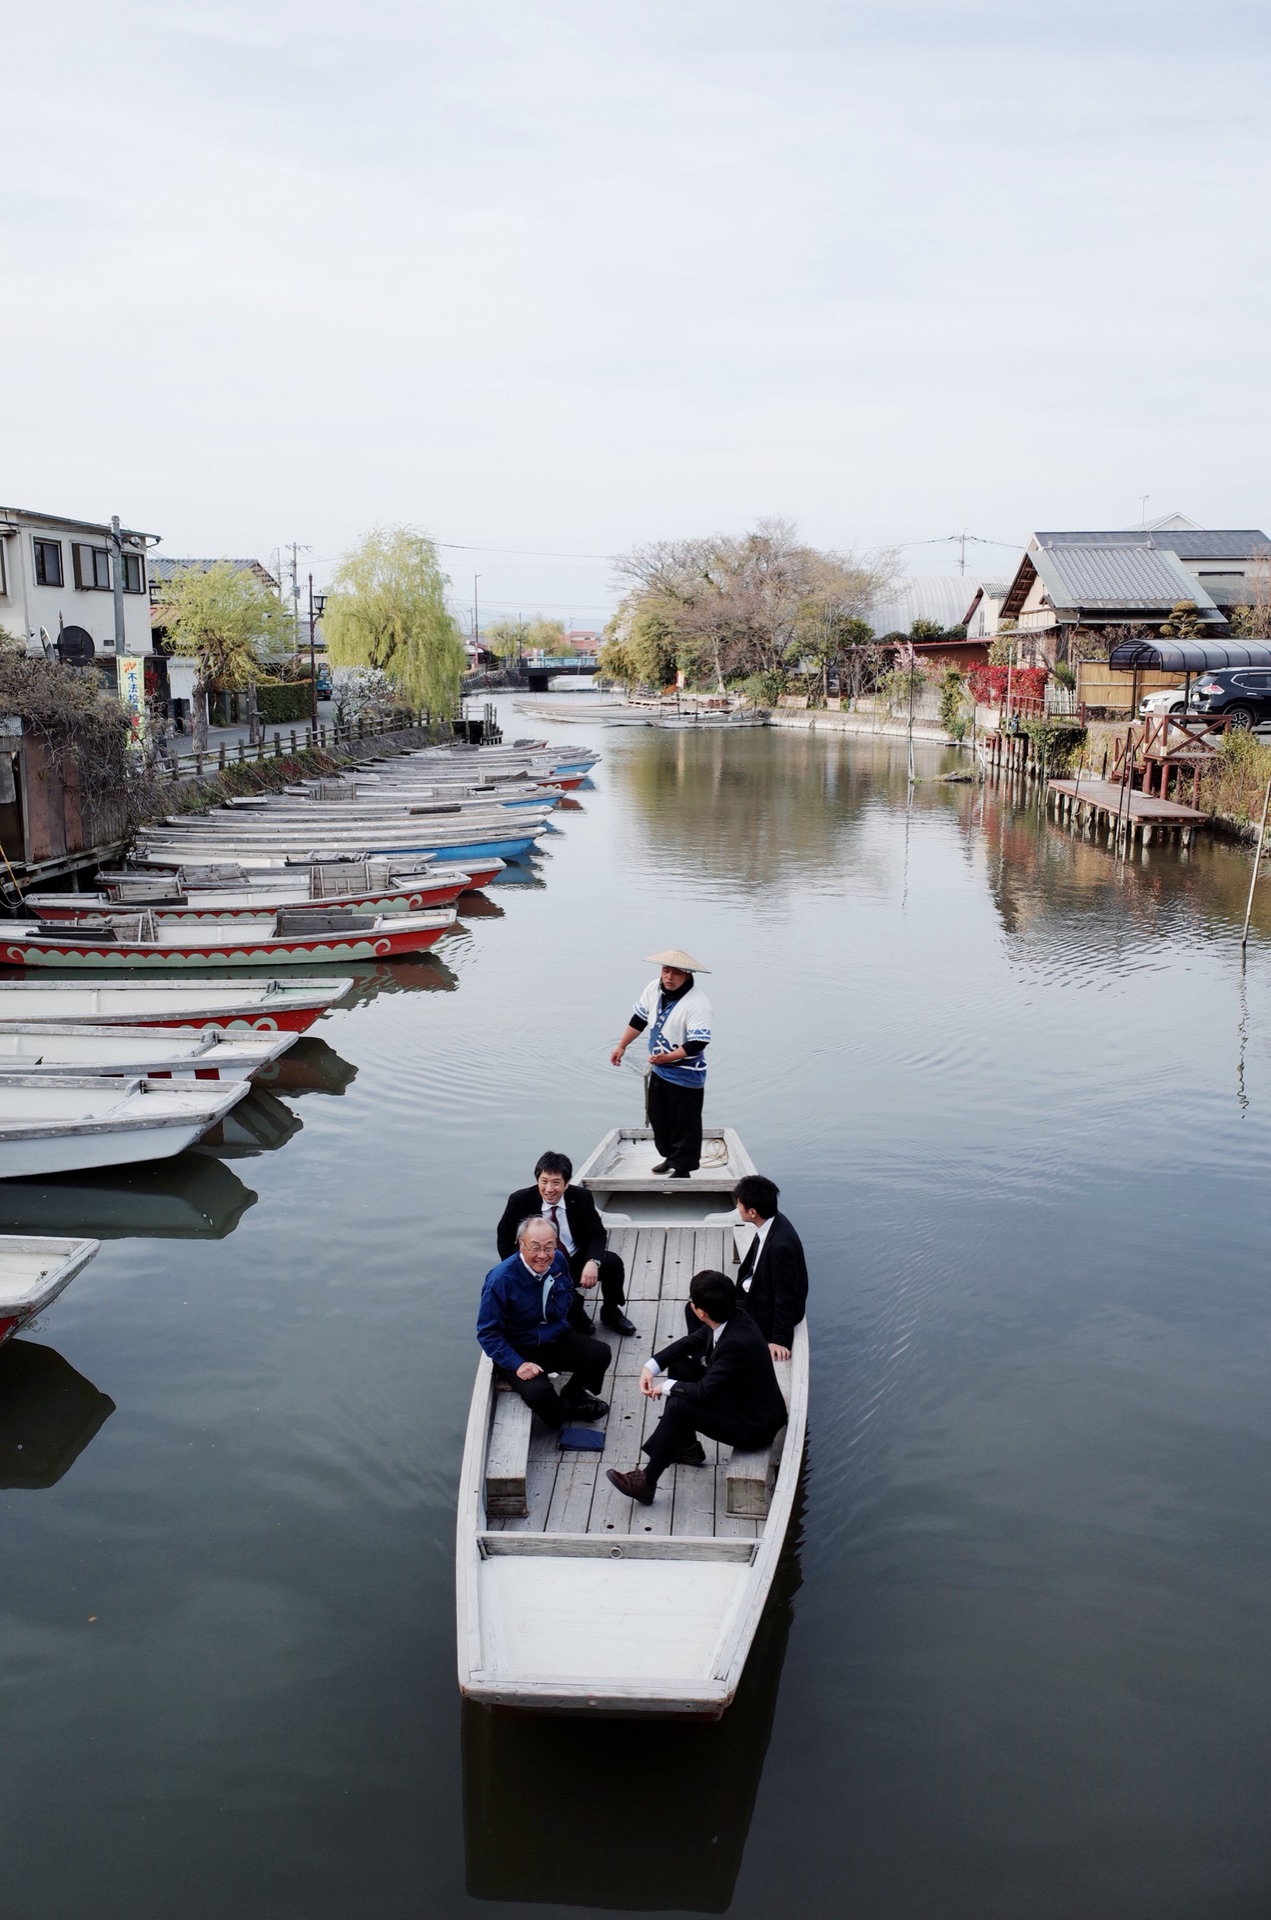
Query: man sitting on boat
[
  {"x": 581, "y": 1234},
  {"x": 773, "y": 1279},
  {"x": 718, "y": 1381},
  {"x": 678, "y": 1017},
  {"x": 523, "y": 1324}
]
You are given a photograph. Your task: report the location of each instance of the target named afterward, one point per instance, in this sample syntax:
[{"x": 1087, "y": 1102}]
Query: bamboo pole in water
[{"x": 1257, "y": 862}]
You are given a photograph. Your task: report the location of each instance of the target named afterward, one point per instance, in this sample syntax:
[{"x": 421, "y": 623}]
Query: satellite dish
[{"x": 75, "y": 646}]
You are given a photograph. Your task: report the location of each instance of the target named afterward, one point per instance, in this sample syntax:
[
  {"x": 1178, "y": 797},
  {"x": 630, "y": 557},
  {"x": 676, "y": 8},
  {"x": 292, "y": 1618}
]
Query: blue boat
[{"x": 471, "y": 849}]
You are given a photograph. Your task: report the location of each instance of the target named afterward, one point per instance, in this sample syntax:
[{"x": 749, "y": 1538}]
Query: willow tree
[
  {"x": 226, "y": 621},
  {"x": 387, "y": 609}
]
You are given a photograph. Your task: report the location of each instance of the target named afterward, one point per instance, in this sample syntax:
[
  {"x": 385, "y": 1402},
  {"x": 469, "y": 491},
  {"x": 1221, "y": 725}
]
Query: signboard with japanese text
[{"x": 132, "y": 694}]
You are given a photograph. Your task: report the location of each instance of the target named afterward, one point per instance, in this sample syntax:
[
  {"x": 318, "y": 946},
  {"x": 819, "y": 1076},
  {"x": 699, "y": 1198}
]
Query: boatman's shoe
[
  {"x": 691, "y": 1455},
  {"x": 680, "y": 1173},
  {"x": 588, "y": 1408},
  {"x": 616, "y": 1319},
  {"x": 663, "y": 1166},
  {"x": 634, "y": 1484}
]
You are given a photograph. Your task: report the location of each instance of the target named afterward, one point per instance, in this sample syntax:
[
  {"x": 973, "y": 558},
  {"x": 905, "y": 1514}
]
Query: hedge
[{"x": 283, "y": 700}]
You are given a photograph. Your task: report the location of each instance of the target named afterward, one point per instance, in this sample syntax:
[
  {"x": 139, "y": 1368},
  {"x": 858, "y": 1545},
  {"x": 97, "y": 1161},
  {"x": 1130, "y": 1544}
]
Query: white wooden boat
[
  {"x": 368, "y": 886},
  {"x": 63, "y": 1126},
  {"x": 572, "y": 1598},
  {"x": 267, "y": 1006},
  {"x": 70, "y": 1052},
  {"x": 297, "y": 938},
  {"x": 34, "y": 1271}
]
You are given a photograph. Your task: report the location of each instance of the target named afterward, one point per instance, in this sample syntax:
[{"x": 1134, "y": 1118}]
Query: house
[
  {"x": 161, "y": 571},
  {"x": 1131, "y": 578},
  {"x": 942, "y": 599},
  {"x": 984, "y": 609},
  {"x": 57, "y": 584}
]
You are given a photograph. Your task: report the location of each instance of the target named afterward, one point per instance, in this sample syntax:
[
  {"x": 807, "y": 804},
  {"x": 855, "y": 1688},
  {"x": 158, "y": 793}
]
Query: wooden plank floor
[
  {"x": 1109, "y": 795},
  {"x": 568, "y": 1492}
]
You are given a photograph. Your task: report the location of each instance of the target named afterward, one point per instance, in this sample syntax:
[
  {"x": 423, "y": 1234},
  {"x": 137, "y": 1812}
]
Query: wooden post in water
[{"x": 1257, "y": 862}]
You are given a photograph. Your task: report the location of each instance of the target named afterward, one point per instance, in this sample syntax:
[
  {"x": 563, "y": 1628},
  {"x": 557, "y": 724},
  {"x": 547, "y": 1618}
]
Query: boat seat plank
[
  {"x": 507, "y": 1456},
  {"x": 750, "y": 1475}
]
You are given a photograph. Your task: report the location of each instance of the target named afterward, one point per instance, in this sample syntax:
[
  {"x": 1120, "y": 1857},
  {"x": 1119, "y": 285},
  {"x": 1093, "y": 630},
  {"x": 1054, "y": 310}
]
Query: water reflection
[
  {"x": 259, "y": 1124},
  {"x": 477, "y": 907},
  {"x": 765, "y": 808},
  {"x": 517, "y": 873},
  {"x": 682, "y": 1802},
  {"x": 371, "y": 978},
  {"x": 308, "y": 1066},
  {"x": 48, "y": 1414},
  {"x": 189, "y": 1197}
]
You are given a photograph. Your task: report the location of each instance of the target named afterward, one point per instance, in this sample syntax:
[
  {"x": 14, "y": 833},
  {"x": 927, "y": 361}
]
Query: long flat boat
[
  {"x": 70, "y": 1052},
  {"x": 66, "y": 1126},
  {"x": 570, "y": 1597},
  {"x": 318, "y": 849},
  {"x": 33, "y": 1271},
  {"x": 365, "y": 887},
  {"x": 287, "y": 938},
  {"x": 265, "y": 1006}
]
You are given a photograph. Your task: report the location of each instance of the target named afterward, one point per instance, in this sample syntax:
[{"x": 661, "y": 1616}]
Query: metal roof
[
  {"x": 1189, "y": 656},
  {"x": 1120, "y": 578},
  {"x": 941, "y": 597},
  {"x": 1201, "y": 543}
]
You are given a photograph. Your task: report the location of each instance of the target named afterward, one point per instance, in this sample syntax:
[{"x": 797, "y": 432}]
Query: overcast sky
[{"x": 567, "y": 275}]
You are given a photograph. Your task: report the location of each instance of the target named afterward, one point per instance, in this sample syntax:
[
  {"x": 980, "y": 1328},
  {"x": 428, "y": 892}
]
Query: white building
[{"x": 57, "y": 579}]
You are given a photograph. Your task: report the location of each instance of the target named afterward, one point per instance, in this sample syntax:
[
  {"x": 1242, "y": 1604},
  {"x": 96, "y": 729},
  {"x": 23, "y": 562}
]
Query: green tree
[
  {"x": 615, "y": 662},
  {"x": 508, "y": 639},
  {"x": 925, "y": 630},
  {"x": 1184, "y": 621},
  {"x": 387, "y": 609},
  {"x": 226, "y": 621},
  {"x": 547, "y": 636}
]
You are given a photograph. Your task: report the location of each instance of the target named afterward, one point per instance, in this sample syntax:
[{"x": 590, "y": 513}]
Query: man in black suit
[
  {"x": 581, "y": 1234},
  {"x": 718, "y": 1381},
  {"x": 773, "y": 1277}
]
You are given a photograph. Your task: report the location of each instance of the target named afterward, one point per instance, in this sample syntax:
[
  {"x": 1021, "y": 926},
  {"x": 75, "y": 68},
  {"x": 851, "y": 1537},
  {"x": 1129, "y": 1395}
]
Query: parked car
[
  {"x": 1164, "y": 700},
  {"x": 1243, "y": 694}
]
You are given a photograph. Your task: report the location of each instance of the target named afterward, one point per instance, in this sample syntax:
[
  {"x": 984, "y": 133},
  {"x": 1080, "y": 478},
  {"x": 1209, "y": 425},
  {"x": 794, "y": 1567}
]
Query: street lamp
[{"x": 317, "y": 603}]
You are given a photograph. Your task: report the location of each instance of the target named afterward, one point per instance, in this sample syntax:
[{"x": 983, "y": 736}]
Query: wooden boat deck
[
  {"x": 1106, "y": 796},
  {"x": 568, "y": 1492}
]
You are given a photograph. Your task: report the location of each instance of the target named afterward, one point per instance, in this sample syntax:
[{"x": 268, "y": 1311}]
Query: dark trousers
[
  {"x": 680, "y": 1423},
  {"x": 675, "y": 1114},
  {"x": 579, "y": 1354},
  {"x": 612, "y": 1286}
]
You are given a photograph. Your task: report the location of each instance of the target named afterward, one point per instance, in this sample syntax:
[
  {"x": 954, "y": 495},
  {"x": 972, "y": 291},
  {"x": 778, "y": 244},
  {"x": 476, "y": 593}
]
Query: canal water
[{"x": 1018, "y": 1101}]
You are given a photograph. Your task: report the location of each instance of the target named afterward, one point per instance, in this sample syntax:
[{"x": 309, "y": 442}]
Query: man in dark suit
[
  {"x": 522, "y": 1325},
  {"x": 718, "y": 1381},
  {"x": 581, "y": 1233},
  {"x": 773, "y": 1277}
]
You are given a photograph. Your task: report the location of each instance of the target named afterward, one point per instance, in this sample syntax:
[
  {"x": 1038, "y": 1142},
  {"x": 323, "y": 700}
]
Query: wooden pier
[{"x": 1096, "y": 806}]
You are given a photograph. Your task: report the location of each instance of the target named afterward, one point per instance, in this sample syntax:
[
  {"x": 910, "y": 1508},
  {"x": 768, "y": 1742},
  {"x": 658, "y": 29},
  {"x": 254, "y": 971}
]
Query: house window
[
  {"x": 92, "y": 568},
  {"x": 134, "y": 573},
  {"x": 48, "y": 563}
]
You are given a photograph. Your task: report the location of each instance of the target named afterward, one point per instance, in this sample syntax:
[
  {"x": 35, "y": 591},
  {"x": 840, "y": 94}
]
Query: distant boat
[
  {"x": 569, "y": 1597},
  {"x": 34, "y": 1271},
  {"x": 64, "y": 1126},
  {"x": 368, "y": 886},
  {"x": 267, "y": 1006},
  {"x": 293, "y": 937}
]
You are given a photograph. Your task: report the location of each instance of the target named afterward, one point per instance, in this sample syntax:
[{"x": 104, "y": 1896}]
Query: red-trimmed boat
[
  {"x": 263, "y": 1006},
  {"x": 290, "y": 937}
]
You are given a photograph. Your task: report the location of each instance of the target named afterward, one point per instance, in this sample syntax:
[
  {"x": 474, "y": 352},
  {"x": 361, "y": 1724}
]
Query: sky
[{"x": 548, "y": 279}]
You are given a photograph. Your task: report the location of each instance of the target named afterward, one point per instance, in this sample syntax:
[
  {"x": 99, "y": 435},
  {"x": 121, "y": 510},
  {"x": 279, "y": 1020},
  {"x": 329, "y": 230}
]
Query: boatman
[
  {"x": 719, "y": 1381},
  {"x": 678, "y": 1017},
  {"x": 581, "y": 1233},
  {"x": 522, "y": 1323}
]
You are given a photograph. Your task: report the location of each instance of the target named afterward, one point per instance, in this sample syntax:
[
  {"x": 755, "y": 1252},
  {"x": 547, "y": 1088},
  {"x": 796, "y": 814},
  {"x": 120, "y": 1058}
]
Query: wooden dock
[{"x": 1105, "y": 806}]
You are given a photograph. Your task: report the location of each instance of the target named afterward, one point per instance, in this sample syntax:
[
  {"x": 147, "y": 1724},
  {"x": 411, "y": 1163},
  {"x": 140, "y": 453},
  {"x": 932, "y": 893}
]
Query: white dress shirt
[
  {"x": 759, "y": 1239},
  {"x": 670, "y": 1386},
  {"x": 562, "y": 1223}
]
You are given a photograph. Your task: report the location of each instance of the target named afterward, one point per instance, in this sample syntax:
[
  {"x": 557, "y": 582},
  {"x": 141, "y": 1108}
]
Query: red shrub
[{"x": 988, "y": 684}]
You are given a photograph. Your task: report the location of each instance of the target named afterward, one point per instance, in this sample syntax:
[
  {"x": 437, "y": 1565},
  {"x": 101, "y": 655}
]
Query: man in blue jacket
[{"x": 522, "y": 1324}]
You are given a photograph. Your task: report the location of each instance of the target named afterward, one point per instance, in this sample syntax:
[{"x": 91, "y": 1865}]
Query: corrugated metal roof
[
  {"x": 163, "y": 569},
  {"x": 942, "y": 597},
  {"x": 1202, "y": 543},
  {"x": 1189, "y": 656},
  {"x": 1099, "y": 577}
]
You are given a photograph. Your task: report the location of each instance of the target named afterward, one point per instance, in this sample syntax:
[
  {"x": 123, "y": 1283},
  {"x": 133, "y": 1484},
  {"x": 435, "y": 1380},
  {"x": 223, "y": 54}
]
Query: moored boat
[
  {"x": 369, "y": 887},
  {"x": 70, "y": 1052},
  {"x": 290, "y": 937},
  {"x": 571, "y": 1599},
  {"x": 33, "y": 1271},
  {"x": 65, "y": 1126},
  {"x": 265, "y": 1006}
]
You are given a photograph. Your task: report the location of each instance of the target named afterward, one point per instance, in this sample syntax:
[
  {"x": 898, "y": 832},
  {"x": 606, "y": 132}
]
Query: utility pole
[
  {"x": 313, "y": 671},
  {"x": 476, "y": 620},
  {"x": 117, "y": 583}
]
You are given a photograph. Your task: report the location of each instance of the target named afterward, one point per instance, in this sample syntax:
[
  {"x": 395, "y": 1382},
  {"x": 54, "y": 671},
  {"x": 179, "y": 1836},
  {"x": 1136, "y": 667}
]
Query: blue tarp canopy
[{"x": 1189, "y": 656}]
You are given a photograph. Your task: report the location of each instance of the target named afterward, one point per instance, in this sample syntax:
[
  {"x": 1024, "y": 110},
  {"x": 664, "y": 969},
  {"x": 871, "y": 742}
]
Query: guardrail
[{"x": 280, "y": 743}]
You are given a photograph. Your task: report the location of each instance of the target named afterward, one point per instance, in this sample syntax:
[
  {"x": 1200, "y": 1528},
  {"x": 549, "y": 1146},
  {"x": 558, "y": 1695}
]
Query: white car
[{"x": 1165, "y": 700}]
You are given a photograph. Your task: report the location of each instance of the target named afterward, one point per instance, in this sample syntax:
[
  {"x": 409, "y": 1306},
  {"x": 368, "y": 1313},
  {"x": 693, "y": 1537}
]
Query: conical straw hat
[{"x": 676, "y": 957}]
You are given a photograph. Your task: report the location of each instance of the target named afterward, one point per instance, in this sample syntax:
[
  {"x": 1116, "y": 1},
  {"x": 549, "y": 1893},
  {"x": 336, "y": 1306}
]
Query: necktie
[
  {"x": 748, "y": 1264},
  {"x": 556, "y": 1223}
]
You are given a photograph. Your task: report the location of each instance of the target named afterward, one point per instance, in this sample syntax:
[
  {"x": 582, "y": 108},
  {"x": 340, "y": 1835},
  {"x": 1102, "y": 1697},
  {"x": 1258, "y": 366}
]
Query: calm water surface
[{"x": 1019, "y": 1104}]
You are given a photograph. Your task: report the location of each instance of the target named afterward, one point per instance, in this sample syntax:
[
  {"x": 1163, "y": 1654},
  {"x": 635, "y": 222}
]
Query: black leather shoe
[
  {"x": 588, "y": 1408},
  {"x": 692, "y": 1455},
  {"x": 634, "y": 1484},
  {"x": 663, "y": 1166},
  {"x": 616, "y": 1319},
  {"x": 680, "y": 1173}
]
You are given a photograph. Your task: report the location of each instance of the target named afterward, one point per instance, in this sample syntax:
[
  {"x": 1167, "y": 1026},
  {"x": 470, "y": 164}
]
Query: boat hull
[
  {"x": 293, "y": 950},
  {"x": 270, "y": 1007}
]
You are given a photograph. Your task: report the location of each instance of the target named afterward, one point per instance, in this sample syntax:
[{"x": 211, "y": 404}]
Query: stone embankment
[{"x": 883, "y": 726}]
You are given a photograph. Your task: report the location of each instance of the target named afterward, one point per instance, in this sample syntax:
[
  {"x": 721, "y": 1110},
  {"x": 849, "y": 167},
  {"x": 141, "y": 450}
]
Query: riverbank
[{"x": 821, "y": 720}]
